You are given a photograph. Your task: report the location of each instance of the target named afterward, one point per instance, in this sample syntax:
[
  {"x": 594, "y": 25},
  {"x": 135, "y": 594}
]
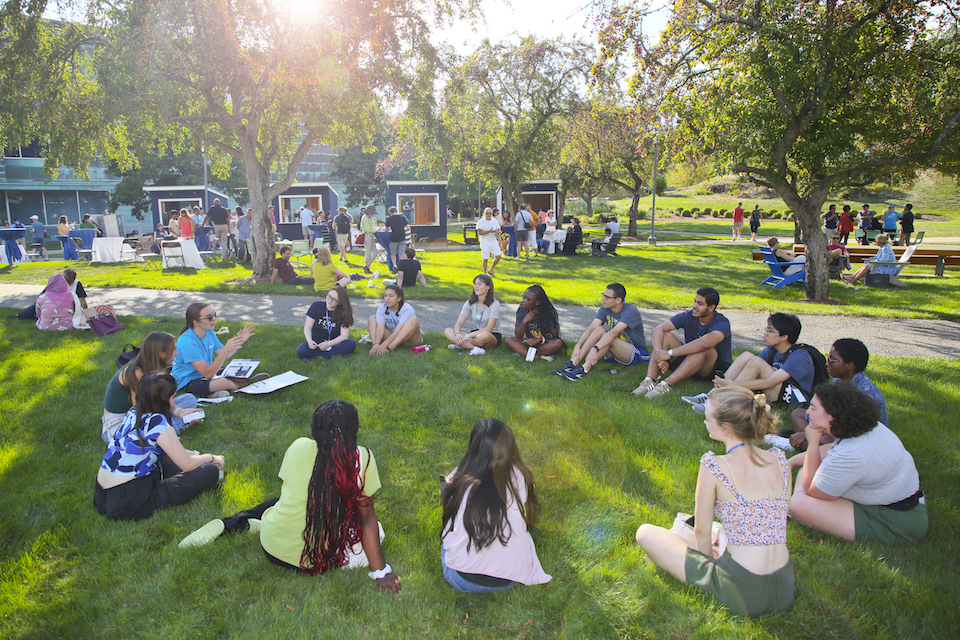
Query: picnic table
[{"x": 940, "y": 256}]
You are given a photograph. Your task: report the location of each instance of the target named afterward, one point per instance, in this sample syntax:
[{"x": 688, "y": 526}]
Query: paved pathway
[{"x": 883, "y": 336}]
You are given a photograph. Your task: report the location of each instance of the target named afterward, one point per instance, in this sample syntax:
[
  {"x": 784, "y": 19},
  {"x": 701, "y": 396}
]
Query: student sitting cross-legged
[{"x": 326, "y": 327}]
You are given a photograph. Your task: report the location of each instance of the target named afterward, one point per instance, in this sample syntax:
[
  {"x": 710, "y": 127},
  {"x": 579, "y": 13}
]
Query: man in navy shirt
[
  {"x": 37, "y": 231},
  {"x": 782, "y": 373},
  {"x": 705, "y": 350}
]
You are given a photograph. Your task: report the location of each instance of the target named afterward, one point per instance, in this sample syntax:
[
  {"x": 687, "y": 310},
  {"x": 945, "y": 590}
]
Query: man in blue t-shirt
[
  {"x": 705, "y": 350},
  {"x": 37, "y": 231},
  {"x": 784, "y": 374},
  {"x": 615, "y": 335}
]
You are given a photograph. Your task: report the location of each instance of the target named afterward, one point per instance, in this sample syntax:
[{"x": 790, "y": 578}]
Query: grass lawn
[
  {"x": 604, "y": 462},
  {"x": 662, "y": 277}
]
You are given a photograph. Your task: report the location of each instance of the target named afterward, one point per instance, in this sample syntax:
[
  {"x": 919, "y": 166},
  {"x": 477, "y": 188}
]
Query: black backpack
[{"x": 820, "y": 373}]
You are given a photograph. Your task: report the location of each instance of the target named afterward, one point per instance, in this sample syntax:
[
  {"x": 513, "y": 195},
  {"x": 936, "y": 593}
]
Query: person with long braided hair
[
  {"x": 488, "y": 505},
  {"x": 324, "y": 518}
]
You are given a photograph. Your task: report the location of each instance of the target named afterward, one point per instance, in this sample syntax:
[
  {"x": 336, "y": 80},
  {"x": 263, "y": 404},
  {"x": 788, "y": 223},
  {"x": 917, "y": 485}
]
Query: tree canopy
[{"x": 805, "y": 96}]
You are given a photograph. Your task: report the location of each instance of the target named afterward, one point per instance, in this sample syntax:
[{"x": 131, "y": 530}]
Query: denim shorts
[{"x": 459, "y": 583}]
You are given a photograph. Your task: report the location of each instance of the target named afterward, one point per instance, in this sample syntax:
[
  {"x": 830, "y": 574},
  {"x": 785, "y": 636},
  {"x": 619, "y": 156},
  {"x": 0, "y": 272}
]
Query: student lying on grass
[
  {"x": 324, "y": 518},
  {"x": 130, "y": 484}
]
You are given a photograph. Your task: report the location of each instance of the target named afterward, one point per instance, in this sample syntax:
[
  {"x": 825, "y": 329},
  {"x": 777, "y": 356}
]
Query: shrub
[
  {"x": 728, "y": 214},
  {"x": 788, "y": 215},
  {"x": 678, "y": 212},
  {"x": 771, "y": 212},
  {"x": 707, "y": 211},
  {"x": 642, "y": 214},
  {"x": 687, "y": 214},
  {"x": 917, "y": 216},
  {"x": 695, "y": 211},
  {"x": 603, "y": 207}
]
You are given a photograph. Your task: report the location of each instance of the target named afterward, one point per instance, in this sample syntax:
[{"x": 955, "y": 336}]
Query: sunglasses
[{"x": 212, "y": 316}]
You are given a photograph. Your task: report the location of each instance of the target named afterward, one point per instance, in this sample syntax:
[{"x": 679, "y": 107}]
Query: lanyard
[{"x": 480, "y": 310}]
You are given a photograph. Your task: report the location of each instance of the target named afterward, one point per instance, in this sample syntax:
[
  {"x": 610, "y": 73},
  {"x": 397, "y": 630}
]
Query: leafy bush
[
  {"x": 917, "y": 216},
  {"x": 728, "y": 214},
  {"x": 695, "y": 211},
  {"x": 771, "y": 212},
  {"x": 707, "y": 211},
  {"x": 679, "y": 212},
  {"x": 603, "y": 207},
  {"x": 642, "y": 214},
  {"x": 687, "y": 213},
  {"x": 788, "y": 215}
]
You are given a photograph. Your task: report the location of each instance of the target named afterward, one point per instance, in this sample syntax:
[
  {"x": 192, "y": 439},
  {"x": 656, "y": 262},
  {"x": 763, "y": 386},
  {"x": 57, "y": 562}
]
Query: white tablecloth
[
  {"x": 113, "y": 250},
  {"x": 552, "y": 239},
  {"x": 191, "y": 255}
]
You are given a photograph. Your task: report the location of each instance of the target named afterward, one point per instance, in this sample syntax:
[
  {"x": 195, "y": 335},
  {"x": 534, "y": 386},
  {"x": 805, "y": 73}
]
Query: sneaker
[
  {"x": 549, "y": 358},
  {"x": 574, "y": 374},
  {"x": 204, "y": 535},
  {"x": 645, "y": 387},
  {"x": 477, "y": 351},
  {"x": 779, "y": 442},
  {"x": 700, "y": 398},
  {"x": 256, "y": 378},
  {"x": 658, "y": 389},
  {"x": 223, "y": 393},
  {"x": 452, "y": 346},
  {"x": 699, "y": 408},
  {"x": 376, "y": 275},
  {"x": 254, "y": 525},
  {"x": 365, "y": 339},
  {"x": 566, "y": 367}
]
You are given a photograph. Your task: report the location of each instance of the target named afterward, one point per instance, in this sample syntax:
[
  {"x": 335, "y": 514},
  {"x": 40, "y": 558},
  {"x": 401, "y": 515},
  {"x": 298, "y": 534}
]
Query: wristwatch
[{"x": 670, "y": 352}]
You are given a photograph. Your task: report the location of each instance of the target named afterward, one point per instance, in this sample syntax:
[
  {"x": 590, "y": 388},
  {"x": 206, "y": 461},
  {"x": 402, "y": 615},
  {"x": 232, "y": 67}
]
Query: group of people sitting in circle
[{"x": 856, "y": 479}]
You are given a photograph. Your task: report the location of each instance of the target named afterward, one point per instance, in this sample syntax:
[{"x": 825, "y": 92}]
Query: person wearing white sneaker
[
  {"x": 783, "y": 373},
  {"x": 706, "y": 346},
  {"x": 478, "y": 326},
  {"x": 394, "y": 325},
  {"x": 200, "y": 354},
  {"x": 537, "y": 325},
  {"x": 615, "y": 335},
  {"x": 748, "y": 489},
  {"x": 324, "y": 518}
]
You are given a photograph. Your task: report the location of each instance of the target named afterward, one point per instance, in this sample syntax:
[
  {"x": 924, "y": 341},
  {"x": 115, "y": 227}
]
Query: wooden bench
[{"x": 927, "y": 254}]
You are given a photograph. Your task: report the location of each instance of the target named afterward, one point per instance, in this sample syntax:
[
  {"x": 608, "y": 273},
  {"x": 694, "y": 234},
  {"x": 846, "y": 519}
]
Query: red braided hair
[{"x": 334, "y": 495}]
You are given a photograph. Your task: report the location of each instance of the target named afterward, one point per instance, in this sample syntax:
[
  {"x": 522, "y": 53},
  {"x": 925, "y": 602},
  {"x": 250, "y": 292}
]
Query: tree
[
  {"x": 803, "y": 96},
  {"x": 609, "y": 144},
  {"x": 497, "y": 111},
  {"x": 244, "y": 80}
]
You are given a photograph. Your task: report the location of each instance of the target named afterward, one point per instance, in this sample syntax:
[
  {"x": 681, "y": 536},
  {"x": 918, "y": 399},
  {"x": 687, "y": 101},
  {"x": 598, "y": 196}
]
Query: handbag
[
  {"x": 129, "y": 353},
  {"x": 105, "y": 322},
  {"x": 361, "y": 238}
]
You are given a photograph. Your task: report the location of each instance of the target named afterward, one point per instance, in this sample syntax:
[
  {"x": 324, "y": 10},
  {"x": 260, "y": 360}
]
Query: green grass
[
  {"x": 604, "y": 462},
  {"x": 662, "y": 277}
]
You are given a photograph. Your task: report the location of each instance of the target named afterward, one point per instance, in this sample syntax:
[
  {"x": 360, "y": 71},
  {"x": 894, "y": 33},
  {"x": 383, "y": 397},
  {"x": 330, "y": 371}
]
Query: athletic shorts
[
  {"x": 640, "y": 355},
  {"x": 488, "y": 253},
  {"x": 743, "y": 592},
  {"x": 199, "y": 387}
]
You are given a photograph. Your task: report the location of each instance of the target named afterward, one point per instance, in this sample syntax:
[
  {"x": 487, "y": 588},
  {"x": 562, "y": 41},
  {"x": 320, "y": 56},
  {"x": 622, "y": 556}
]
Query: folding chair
[
  {"x": 171, "y": 251},
  {"x": 301, "y": 250},
  {"x": 82, "y": 250}
]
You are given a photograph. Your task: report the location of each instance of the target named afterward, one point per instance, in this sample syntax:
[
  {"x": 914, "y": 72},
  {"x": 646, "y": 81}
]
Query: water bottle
[{"x": 421, "y": 348}]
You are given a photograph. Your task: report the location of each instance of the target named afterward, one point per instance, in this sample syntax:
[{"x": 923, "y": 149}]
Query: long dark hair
[
  {"x": 193, "y": 314},
  {"x": 334, "y": 495},
  {"x": 343, "y": 314},
  {"x": 487, "y": 468},
  {"x": 488, "y": 299},
  {"x": 153, "y": 352},
  {"x": 153, "y": 396},
  {"x": 545, "y": 308}
]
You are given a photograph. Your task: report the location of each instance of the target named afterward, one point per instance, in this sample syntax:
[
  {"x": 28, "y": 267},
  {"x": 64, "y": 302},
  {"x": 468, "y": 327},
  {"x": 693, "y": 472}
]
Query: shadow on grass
[{"x": 604, "y": 463}]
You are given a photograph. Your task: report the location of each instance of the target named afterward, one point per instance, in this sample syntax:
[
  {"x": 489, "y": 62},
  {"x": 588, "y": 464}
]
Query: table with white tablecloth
[
  {"x": 189, "y": 252},
  {"x": 108, "y": 250}
]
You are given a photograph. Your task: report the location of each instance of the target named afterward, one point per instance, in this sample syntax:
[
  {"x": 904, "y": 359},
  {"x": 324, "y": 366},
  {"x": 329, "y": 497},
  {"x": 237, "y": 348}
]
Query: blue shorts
[{"x": 640, "y": 355}]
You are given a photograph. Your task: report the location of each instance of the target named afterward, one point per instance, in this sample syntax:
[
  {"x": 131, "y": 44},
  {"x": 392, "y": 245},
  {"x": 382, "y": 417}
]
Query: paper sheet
[{"x": 272, "y": 384}]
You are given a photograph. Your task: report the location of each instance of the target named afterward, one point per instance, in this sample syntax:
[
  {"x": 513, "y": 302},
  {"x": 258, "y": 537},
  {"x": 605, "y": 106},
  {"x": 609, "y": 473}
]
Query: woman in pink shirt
[{"x": 487, "y": 505}]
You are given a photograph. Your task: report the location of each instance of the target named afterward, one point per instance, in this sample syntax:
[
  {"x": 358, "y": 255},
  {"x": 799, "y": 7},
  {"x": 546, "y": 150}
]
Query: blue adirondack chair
[{"x": 777, "y": 277}]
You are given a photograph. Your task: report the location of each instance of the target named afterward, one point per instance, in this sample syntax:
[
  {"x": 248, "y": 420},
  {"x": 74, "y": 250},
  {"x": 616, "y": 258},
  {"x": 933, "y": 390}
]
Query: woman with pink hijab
[{"x": 55, "y": 306}]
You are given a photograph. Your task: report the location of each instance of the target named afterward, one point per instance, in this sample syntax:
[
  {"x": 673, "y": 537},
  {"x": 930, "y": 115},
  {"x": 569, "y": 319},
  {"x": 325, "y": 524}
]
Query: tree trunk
[
  {"x": 818, "y": 267},
  {"x": 262, "y": 237},
  {"x": 589, "y": 200},
  {"x": 634, "y": 213}
]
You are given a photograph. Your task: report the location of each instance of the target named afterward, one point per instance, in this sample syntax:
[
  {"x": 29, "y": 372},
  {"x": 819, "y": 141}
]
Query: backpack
[
  {"x": 343, "y": 223},
  {"x": 820, "y": 373}
]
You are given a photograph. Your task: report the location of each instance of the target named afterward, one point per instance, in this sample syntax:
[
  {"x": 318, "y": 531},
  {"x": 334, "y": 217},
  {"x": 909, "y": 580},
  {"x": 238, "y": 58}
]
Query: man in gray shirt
[{"x": 615, "y": 335}]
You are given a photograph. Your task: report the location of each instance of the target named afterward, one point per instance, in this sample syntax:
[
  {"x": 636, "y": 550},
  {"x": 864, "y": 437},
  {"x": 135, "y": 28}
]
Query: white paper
[
  {"x": 238, "y": 368},
  {"x": 215, "y": 400},
  {"x": 272, "y": 384}
]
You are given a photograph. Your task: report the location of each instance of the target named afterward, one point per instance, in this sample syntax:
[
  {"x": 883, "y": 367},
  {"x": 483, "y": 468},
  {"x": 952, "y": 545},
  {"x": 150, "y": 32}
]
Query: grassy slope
[
  {"x": 662, "y": 277},
  {"x": 604, "y": 461}
]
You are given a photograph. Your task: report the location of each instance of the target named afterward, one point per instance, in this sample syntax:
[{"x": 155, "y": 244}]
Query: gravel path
[{"x": 883, "y": 336}]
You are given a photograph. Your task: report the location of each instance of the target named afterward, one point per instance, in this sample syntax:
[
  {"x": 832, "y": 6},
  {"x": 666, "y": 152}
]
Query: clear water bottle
[{"x": 421, "y": 348}]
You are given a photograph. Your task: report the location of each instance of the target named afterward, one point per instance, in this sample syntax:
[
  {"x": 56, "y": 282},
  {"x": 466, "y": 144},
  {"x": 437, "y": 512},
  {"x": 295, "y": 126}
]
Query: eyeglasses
[
  {"x": 212, "y": 316},
  {"x": 606, "y": 297},
  {"x": 528, "y": 298},
  {"x": 832, "y": 360},
  {"x": 769, "y": 330},
  {"x": 332, "y": 298}
]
